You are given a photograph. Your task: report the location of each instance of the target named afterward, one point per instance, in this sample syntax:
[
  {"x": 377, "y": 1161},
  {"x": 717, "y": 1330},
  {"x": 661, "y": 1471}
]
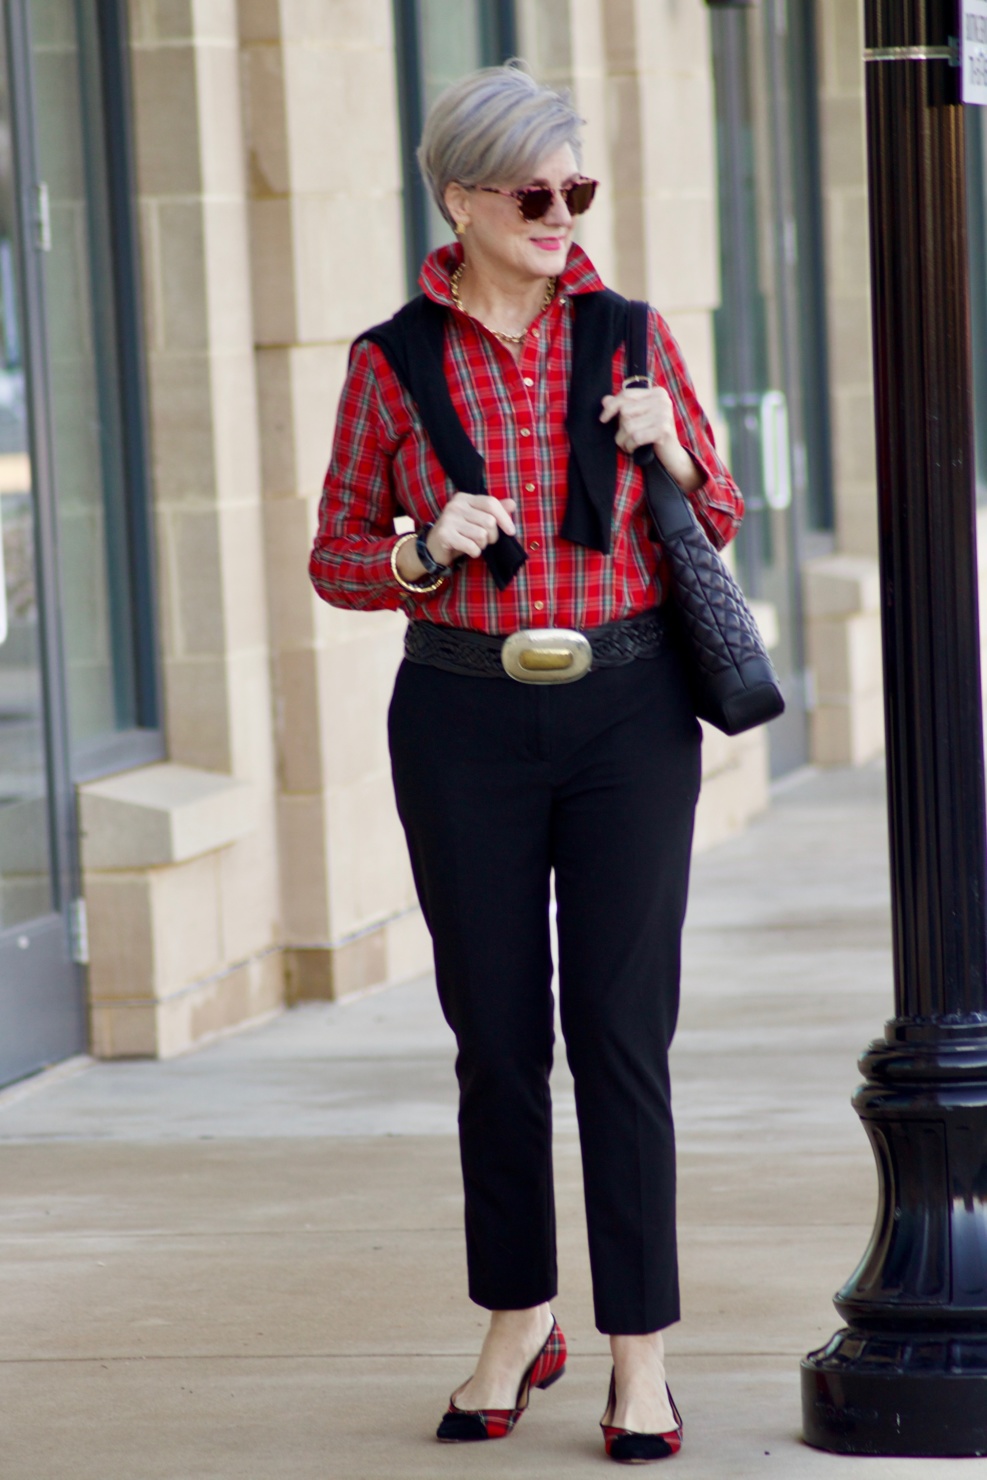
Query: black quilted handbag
[{"x": 734, "y": 684}]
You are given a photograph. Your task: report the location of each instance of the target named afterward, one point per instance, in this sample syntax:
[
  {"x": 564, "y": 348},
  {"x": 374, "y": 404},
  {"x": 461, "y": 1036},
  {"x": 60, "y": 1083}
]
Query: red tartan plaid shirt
[{"x": 382, "y": 464}]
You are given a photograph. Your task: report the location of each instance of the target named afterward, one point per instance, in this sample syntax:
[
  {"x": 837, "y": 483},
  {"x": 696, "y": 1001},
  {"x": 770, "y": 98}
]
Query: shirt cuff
[{"x": 703, "y": 469}]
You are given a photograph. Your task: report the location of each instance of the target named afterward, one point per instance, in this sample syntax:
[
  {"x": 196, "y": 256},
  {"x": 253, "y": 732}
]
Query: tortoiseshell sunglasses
[{"x": 535, "y": 201}]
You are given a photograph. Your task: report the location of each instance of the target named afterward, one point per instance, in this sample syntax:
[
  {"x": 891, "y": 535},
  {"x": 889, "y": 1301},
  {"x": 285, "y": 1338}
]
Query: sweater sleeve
[{"x": 350, "y": 564}]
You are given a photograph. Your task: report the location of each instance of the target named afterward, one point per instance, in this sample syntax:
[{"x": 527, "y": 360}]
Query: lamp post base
[
  {"x": 907, "y": 1374},
  {"x": 919, "y": 1394}
]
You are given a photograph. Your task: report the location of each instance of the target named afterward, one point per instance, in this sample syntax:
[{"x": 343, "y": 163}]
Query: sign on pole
[{"x": 973, "y": 48}]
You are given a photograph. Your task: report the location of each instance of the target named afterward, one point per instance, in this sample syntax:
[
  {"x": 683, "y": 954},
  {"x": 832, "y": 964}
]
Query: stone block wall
[
  {"x": 843, "y": 645},
  {"x": 322, "y": 139},
  {"x": 264, "y": 860},
  {"x": 840, "y": 592},
  {"x": 185, "y": 947}
]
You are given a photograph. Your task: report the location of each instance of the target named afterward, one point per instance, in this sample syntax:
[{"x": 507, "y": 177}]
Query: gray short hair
[{"x": 495, "y": 125}]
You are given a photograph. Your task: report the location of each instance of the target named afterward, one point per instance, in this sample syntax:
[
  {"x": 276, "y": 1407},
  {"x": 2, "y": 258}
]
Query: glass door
[
  {"x": 770, "y": 328},
  {"x": 41, "y": 1004}
]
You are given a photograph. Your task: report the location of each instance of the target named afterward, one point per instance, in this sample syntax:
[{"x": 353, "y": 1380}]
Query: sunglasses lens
[
  {"x": 535, "y": 202},
  {"x": 579, "y": 197}
]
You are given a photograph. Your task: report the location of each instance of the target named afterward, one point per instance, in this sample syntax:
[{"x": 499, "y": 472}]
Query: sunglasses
[{"x": 535, "y": 201}]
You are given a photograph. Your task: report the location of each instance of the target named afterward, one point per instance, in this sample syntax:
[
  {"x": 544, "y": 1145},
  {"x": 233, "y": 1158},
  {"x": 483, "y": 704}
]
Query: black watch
[{"x": 432, "y": 566}]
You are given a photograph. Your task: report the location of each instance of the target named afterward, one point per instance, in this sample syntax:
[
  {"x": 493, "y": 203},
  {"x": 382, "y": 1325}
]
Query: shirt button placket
[{"x": 534, "y": 545}]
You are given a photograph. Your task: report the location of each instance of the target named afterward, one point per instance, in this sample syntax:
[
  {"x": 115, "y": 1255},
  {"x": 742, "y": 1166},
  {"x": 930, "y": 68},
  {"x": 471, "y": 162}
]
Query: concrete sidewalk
[{"x": 249, "y": 1262}]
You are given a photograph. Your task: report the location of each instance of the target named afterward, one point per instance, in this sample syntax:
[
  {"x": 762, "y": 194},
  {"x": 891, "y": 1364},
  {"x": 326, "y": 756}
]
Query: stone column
[
  {"x": 326, "y": 228},
  {"x": 184, "y": 919},
  {"x": 843, "y": 638}
]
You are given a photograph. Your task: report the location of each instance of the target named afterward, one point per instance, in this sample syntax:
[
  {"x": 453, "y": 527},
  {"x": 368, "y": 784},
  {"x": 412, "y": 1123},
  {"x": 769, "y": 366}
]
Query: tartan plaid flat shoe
[
  {"x": 629, "y": 1448},
  {"x": 469, "y": 1425}
]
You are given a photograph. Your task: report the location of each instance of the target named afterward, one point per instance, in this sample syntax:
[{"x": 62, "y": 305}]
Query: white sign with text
[{"x": 973, "y": 47}]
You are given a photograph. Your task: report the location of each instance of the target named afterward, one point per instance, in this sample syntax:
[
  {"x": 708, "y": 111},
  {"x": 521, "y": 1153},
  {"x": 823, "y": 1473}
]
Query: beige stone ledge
[
  {"x": 392, "y": 951},
  {"x": 732, "y": 796},
  {"x": 161, "y": 814},
  {"x": 981, "y": 527},
  {"x": 237, "y": 998},
  {"x": 844, "y": 654},
  {"x": 842, "y": 595},
  {"x": 840, "y": 585},
  {"x": 718, "y": 751},
  {"x": 848, "y": 733},
  {"x": 136, "y": 948},
  {"x": 765, "y": 614}
]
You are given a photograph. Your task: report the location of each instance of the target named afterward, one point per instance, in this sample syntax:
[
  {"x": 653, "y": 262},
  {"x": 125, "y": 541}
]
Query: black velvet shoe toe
[
  {"x": 458, "y": 1427},
  {"x": 630, "y": 1448},
  {"x": 467, "y": 1426}
]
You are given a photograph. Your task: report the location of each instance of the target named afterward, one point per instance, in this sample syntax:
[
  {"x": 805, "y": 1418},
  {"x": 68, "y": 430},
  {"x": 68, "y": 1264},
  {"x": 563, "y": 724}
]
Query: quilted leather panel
[
  {"x": 733, "y": 682},
  {"x": 715, "y": 616}
]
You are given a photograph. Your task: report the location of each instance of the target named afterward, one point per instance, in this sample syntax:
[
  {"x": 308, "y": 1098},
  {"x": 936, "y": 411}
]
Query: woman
[{"x": 533, "y": 522}]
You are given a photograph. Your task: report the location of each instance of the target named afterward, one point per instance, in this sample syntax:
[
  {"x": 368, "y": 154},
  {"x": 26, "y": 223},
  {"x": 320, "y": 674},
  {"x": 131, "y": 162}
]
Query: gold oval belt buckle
[{"x": 546, "y": 655}]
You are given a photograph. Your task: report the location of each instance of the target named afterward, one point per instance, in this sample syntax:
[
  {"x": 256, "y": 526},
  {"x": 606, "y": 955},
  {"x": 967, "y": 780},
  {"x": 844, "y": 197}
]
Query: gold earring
[{"x": 460, "y": 228}]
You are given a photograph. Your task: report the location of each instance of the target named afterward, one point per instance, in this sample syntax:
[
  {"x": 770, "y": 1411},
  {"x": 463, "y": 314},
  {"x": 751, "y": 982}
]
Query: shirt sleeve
[
  {"x": 718, "y": 502},
  {"x": 350, "y": 564}
]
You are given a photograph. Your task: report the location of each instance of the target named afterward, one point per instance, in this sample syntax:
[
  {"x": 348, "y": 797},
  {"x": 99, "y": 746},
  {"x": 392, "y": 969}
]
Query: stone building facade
[{"x": 249, "y": 854}]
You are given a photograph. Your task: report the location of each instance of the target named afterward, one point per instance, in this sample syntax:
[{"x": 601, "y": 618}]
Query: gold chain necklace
[{"x": 457, "y": 278}]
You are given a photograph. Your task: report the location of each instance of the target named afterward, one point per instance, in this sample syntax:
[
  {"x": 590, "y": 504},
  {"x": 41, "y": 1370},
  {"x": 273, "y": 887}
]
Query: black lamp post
[{"x": 908, "y": 1373}]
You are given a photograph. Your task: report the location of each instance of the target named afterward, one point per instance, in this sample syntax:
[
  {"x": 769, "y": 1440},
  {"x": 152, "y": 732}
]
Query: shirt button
[
  {"x": 534, "y": 545},
  {"x": 539, "y": 606},
  {"x": 535, "y": 332},
  {"x": 528, "y": 380},
  {"x": 525, "y": 431},
  {"x": 529, "y": 488}
]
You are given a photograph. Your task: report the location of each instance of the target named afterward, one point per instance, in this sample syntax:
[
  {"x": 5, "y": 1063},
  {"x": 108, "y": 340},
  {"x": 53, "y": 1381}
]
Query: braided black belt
[{"x": 478, "y": 654}]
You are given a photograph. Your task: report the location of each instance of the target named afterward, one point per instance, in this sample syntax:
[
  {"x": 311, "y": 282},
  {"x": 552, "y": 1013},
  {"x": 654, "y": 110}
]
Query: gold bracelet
[{"x": 416, "y": 587}]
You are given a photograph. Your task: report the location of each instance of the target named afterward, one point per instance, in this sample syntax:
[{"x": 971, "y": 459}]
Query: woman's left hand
[{"x": 646, "y": 419}]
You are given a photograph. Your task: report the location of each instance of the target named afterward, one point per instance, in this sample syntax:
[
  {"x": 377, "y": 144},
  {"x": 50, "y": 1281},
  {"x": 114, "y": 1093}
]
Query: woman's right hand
[{"x": 468, "y": 523}]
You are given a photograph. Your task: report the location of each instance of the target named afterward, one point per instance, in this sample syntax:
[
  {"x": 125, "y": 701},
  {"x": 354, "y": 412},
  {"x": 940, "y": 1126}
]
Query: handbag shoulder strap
[
  {"x": 637, "y": 339},
  {"x": 670, "y": 510}
]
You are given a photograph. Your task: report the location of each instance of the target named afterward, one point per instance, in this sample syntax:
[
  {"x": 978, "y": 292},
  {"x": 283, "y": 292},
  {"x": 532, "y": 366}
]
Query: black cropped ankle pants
[{"x": 498, "y": 784}]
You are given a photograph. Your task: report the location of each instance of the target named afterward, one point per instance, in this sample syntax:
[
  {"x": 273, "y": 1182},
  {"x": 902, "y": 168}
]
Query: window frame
[
  {"x": 143, "y": 743},
  {"x": 62, "y": 822},
  {"x": 499, "y": 41},
  {"x": 810, "y": 269}
]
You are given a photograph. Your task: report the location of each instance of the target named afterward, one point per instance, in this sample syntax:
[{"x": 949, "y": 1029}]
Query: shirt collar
[{"x": 578, "y": 276}]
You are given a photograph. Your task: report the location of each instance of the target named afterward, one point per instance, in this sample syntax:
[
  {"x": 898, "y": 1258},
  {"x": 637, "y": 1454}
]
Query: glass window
[
  {"x": 94, "y": 415},
  {"x": 25, "y": 872},
  {"x": 770, "y": 329},
  {"x": 438, "y": 41}
]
